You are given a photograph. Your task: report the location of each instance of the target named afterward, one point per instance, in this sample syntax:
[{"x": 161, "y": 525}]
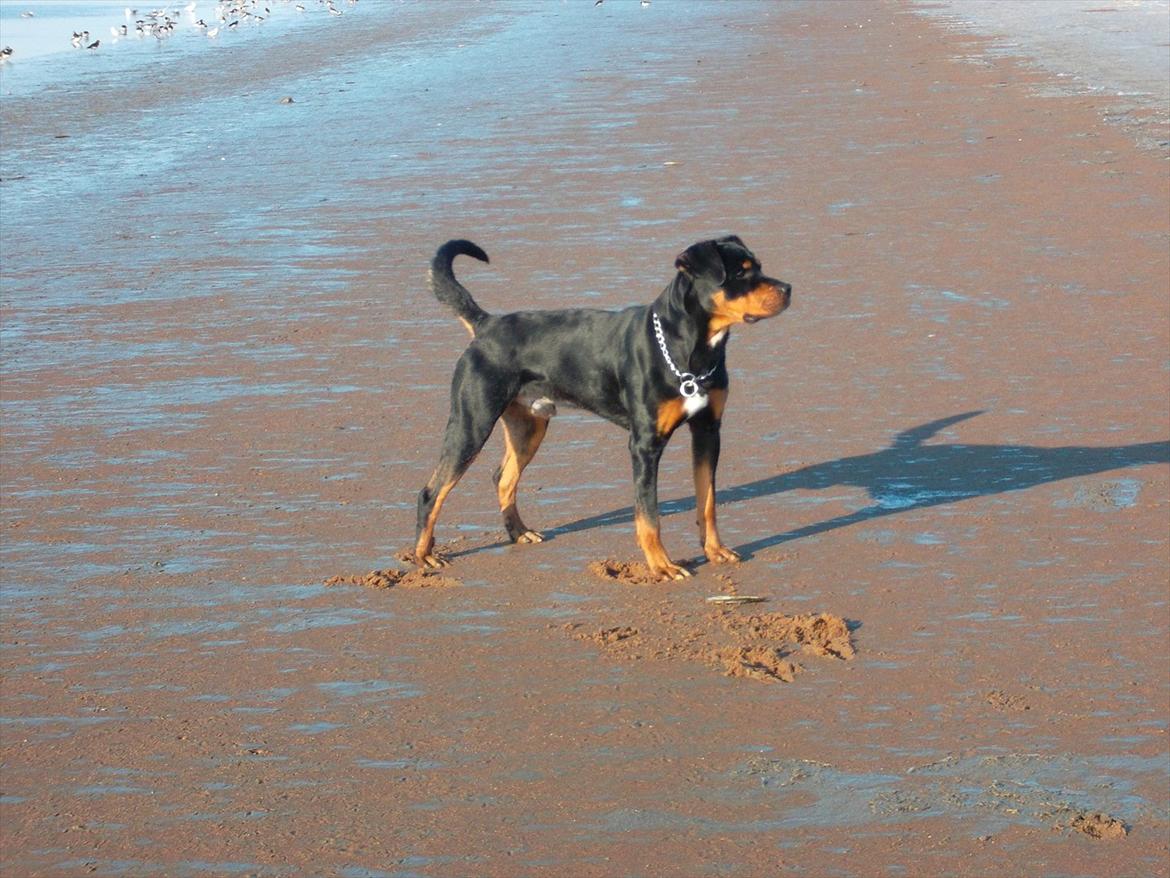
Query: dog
[{"x": 646, "y": 368}]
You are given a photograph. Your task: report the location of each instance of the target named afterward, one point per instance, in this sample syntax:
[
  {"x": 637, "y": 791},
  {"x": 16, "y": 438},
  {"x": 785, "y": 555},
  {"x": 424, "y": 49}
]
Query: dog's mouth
[
  {"x": 767, "y": 300},
  {"x": 756, "y": 318}
]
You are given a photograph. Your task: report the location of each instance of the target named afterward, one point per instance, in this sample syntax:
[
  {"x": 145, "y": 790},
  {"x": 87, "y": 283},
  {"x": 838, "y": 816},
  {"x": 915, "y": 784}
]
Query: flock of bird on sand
[
  {"x": 228, "y": 14},
  {"x": 161, "y": 23}
]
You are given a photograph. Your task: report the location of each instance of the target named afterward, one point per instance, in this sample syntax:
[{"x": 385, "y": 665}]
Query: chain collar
[{"x": 689, "y": 383}]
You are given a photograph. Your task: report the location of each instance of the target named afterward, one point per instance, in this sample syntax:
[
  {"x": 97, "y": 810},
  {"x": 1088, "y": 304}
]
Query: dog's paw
[
  {"x": 429, "y": 561},
  {"x": 530, "y": 536},
  {"x": 670, "y": 570},
  {"x": 721, "y": 555}
]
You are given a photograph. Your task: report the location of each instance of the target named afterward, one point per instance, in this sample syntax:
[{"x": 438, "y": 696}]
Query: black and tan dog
[{"x": 646, "y": 368}]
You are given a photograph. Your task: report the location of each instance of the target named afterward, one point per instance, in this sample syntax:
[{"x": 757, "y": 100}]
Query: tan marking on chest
[{"x": 671, "y": 413}]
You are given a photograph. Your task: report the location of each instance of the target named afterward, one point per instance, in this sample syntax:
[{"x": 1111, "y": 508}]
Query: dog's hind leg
[
  {"x": 430, "y": 502},
  {"x": 524, "y": 430},
  {"x": 476, "y": 404}
]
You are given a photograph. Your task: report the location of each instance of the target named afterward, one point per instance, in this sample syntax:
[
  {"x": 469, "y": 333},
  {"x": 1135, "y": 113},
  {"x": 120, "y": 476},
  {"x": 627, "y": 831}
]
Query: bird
[
  {"x": 5, "y": 54},
  {"x": 94, "y": 44}
]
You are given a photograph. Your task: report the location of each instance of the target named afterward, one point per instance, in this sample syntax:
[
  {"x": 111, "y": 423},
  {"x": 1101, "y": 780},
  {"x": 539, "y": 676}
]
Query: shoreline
[{"x": 1112, "y": 51}]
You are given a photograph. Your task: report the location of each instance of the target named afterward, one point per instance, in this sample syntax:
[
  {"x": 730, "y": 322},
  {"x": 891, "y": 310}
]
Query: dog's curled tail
[{"x": 449, "y": 291}]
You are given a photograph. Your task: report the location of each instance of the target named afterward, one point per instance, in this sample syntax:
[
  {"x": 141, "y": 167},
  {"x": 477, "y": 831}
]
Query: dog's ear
[{"x": 702, "y": 261}]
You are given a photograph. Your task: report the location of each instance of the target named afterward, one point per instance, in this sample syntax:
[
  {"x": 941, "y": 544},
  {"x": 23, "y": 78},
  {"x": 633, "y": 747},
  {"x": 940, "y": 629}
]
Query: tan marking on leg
[
  {"x": 523, "y": 433},
  {"x": 704, "y": 500},
  {"x": 510, "y": 465},
  {"x": 426, "y": 540},
  {"x": 718, "y": 402},
  {"x": 656, "y": 557},
  {"x": 713, "y": 547}
]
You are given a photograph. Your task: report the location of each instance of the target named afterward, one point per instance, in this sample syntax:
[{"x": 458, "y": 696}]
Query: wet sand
[{"x": 224, "y": 381}]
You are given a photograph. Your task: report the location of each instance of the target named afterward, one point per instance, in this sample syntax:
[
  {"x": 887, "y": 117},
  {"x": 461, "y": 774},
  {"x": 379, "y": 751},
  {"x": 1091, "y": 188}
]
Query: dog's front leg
[
  {"x": 645, "y": 454},
  {"x": 705, "y": 458}
]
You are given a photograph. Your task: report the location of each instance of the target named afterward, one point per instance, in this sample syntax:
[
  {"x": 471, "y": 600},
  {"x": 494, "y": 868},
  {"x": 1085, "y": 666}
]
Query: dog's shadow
[{"x": 909, "y": 475}]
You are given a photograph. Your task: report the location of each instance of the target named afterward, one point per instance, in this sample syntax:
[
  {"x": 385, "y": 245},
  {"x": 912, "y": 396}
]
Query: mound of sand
[
  {"x": 758, "y": 646},
  {"x": 822, "y": 634},
  {"x": 610, "y": 636},
  {"x": 765, "y": 663},
  {"x": 1100, "y": 826},
  {"x": 392, "y": 578},
  {"x": 626, "y": 572}
]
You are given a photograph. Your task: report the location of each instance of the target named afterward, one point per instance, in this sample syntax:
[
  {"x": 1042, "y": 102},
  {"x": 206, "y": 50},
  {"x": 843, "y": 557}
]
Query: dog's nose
[{"x": 785, "y": 290}]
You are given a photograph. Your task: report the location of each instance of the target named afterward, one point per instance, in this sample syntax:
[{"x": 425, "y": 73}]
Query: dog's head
[{"x": 726, "y": 283}]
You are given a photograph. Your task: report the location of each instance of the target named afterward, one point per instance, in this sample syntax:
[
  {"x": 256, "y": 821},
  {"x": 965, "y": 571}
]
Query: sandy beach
[{"x": 946, "y": 466}]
